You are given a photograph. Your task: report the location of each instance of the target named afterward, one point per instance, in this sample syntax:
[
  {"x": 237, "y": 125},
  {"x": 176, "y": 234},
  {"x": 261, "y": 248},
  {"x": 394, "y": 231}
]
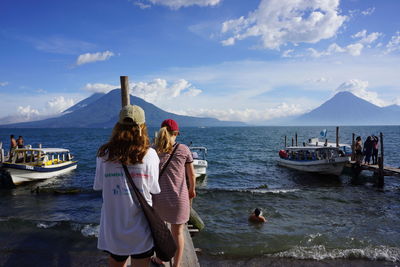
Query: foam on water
[{"x": 322, "y": 253}]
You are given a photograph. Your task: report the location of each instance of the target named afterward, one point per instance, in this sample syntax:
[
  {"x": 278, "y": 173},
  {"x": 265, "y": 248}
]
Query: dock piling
[
  {"x": 381, "y": 176},
  {"x": 337, "y": 136},
  {"x": 353, "y": 147},
  {"x": 124, "y": 91},
  {"x": 296, "y": 138}
]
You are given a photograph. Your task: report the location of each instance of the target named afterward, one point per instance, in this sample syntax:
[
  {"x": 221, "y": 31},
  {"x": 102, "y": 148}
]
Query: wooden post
[
  {"x": 337, "y": 136},
  {"x": 292, "y": 141},
  {"x": 381, "y": 177},
  {"x": 353, "y": 144},
  {"x": 124, "y": 91},
  {"x": 285, "y": 140},
  {"x": 296, "y": 138}
]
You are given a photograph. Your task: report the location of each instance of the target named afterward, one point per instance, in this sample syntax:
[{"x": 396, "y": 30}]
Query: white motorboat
[
  {"x": 200, "y": 164},
  {"x": 314, "y": 159},
  {"x": 32, "y": 164}
]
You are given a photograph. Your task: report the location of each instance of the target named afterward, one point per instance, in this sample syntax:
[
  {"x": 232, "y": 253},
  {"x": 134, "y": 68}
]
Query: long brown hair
[{"x": 128, "y": 144}]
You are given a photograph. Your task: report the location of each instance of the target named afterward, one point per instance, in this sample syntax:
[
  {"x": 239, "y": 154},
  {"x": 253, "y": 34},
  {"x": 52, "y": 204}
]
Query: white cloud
[
  {"x": 100, "y": 87},
  {"x": 57, "y": 105},
  {"x": 27, "y": 112},
  {"x": 287, "y": 53},
  {"x": 89, "y": 58},
  {"x": 367, "y": 38},
  {"x": 158, "y": 90},
  {"x": 394, "y": 44},
  {"x": 352, "y": 49},
  {"x": 141, "y": 5},
  {"x": 359, "y": 88},
  {"x": 3, "y": 84},
  {"x": 176, "y": 4},
  {"x": 278, "y": 22},
  {"x": 41, "y": 91},
  {"x": 368, "y": 11},
  {"x": 249, "y": 114}
]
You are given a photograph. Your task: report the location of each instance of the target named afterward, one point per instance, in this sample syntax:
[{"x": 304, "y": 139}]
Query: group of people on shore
[
  {"x": 124, "y": 230},
  {"x": 367, "y": 151}
]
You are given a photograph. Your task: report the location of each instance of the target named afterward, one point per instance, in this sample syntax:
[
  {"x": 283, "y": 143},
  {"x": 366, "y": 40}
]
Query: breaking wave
[{"x": 321, "y": 253}]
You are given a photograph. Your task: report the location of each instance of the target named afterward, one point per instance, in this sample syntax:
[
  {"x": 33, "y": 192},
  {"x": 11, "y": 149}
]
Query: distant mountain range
[
  {"x": 101, "y": 110},
  {"x": 347, "y": 109}
]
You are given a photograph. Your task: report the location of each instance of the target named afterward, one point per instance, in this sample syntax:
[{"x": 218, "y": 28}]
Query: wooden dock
[{"x": 387, "y": 171}]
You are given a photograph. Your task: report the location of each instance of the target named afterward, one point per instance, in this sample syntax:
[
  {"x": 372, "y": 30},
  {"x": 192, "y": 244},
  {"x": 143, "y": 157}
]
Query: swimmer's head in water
[{"x": 257, "y": 212}]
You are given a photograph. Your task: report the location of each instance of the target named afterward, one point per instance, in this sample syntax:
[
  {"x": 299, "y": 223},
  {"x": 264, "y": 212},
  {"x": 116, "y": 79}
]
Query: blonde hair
[
  {"x": 163, "y": 140},
  {"x": 128, "y": 143}
]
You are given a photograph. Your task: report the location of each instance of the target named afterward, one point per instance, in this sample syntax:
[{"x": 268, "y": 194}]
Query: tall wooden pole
[
  {"x": 381, "y": 177},
  {"x": 285, "y": 141},
  {"x": 353, "y": 144},
  {"x": 296, "y": 138},
  {"x": 337, "y": 136},
  {"x": 124, "y": 91},
  {"x": 292, "y": 141}
]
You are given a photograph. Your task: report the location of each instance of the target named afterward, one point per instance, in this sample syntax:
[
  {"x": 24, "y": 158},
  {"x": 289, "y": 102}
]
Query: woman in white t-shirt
[{"x": 124, "y": 230}]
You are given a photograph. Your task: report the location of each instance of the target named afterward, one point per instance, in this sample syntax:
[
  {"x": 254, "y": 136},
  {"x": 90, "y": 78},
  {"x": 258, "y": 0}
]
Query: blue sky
[{"x": 251, "y": 61}]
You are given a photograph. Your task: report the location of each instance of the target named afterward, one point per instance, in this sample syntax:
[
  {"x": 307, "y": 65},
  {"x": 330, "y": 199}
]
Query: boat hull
[
  {"x": 26, "y": 173},
  {"x": 331, "y": 167},
  {"x": 200, "y": 169}
]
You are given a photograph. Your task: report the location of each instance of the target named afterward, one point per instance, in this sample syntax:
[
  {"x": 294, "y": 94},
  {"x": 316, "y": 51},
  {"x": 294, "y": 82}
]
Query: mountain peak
[{"x": 345, "y": 108}]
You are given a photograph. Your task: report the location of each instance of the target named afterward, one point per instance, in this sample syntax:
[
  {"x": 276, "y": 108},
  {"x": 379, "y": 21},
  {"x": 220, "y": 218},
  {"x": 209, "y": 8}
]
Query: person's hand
[{"x": 192, "y": 193}]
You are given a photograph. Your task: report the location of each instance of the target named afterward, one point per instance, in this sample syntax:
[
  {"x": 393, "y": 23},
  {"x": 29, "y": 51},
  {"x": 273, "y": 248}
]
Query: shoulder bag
[{"x": 164, "y": 243}]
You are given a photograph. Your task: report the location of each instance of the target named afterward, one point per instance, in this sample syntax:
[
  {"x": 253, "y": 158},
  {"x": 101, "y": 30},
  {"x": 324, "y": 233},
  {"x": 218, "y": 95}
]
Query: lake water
[{"x": 309, "y": 216}]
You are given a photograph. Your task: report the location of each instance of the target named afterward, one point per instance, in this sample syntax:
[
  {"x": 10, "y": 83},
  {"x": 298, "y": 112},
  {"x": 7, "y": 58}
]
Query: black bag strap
[
  {"x": 169, "y": 159},
  {"x": 130, "y": 180}
]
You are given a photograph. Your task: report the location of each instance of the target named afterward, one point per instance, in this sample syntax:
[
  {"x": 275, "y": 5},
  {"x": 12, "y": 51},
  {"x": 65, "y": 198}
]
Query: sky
[{"x": 237, "y": 60}]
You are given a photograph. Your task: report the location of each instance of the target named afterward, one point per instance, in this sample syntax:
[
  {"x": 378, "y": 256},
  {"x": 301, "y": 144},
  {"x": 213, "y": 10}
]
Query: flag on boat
[{"x": 323, "y": 133}]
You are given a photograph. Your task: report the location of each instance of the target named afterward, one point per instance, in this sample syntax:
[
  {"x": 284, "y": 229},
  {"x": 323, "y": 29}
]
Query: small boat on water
[
  {"x": 314, "y": 159},
  {"x": 32, "y": 164},
  {"x": 200, "y": 164}
]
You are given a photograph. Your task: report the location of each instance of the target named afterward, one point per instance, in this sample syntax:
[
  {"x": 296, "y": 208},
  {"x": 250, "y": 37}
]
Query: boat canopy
[
  {"x": 293, "y": 148},
  {"x": 43, "y": 150}
]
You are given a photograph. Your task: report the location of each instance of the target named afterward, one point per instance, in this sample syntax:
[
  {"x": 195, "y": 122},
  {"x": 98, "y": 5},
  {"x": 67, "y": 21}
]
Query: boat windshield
[
  {"x": 198, "y": 153},
  {"x": 311, "y": 154},
  {"x": 40, "y": 157}
]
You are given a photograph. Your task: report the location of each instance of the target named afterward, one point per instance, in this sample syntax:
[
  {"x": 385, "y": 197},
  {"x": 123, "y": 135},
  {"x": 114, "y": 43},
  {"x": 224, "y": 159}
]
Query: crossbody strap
[
  {"x": 169, "y": 159},
  {"x": 129, "y": 177}
]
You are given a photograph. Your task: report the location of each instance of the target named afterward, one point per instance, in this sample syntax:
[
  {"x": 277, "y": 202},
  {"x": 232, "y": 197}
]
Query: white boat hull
[
  {"x": 200, "y": 168},
  {"x": 20, "y": 176},
  {"x": 332, "y": 166}
]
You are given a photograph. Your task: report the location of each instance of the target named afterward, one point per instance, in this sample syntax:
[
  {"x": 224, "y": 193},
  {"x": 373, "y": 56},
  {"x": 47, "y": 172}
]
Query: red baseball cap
[{"x": 171, "y": 125}]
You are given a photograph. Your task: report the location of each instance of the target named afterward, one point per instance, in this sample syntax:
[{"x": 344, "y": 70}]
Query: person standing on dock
[
  {"x": 173, "y": 203},
  {"x": 124, "y": 230},
  {"x": 358, "y": 150},
  {"x": 368, "y": 150}
]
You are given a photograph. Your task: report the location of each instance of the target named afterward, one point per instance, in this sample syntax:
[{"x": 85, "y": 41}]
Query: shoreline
[{"x": 260, "y": 261}]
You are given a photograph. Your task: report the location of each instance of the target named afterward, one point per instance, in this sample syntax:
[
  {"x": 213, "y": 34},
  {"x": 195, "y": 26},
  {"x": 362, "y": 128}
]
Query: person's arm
[{"x": 192, "y": 179}]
